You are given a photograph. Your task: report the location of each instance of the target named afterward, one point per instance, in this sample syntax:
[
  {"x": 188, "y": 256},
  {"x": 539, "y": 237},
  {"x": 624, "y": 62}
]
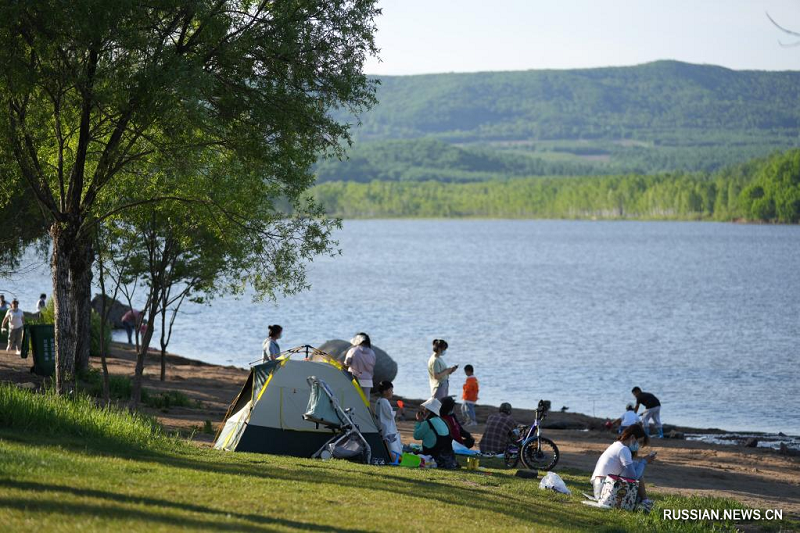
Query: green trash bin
[{"x": 42, "y": 339}]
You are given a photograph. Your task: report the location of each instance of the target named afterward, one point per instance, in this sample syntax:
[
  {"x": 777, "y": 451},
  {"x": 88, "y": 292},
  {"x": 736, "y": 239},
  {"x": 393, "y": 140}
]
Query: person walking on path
[
  {"x": 271, "y": 350},
  {"x": 438, "y": 371},
  {"x": 495, "y": 436},
  {"x": 360, "y": 361},
  {"x": 469, "y": 396},
  {"x": 14, "y": 320},
  {"x": 3, "y": 305},
  {"x": 652, "y": 410}
]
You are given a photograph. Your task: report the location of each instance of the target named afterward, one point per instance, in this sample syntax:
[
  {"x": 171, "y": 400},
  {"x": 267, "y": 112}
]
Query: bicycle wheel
[
  {"x": 511, "y": 456},
  {"x": 535, "y": 457}
]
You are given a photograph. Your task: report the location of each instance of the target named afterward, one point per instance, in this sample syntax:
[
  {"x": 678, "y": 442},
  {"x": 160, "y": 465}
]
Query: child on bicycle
[{"x": 470, "y": 396}]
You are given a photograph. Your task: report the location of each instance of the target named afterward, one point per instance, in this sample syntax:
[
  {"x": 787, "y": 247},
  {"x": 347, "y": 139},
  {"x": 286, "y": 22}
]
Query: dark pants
[{"x": 129, "y": 330}]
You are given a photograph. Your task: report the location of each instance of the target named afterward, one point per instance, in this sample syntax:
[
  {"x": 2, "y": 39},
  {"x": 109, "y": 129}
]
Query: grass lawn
[{"x": 69, "y": 477}]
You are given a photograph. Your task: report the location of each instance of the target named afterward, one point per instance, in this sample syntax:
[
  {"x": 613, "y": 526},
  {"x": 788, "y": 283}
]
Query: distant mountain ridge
[
  {"x": 650, "y": 101},
  {"x": 657, "y": 117}
]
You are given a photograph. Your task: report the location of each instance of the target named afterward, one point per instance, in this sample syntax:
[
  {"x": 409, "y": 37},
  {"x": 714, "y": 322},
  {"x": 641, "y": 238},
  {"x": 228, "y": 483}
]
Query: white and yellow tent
[{"x": 267, "y": 415}]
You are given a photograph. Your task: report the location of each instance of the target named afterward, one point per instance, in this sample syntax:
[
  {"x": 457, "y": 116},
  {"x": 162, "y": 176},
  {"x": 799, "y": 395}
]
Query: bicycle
[{"x": 527, "y": 444}]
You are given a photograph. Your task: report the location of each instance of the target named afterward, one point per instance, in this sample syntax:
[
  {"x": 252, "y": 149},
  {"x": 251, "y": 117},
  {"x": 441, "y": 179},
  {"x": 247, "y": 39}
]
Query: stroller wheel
[{"x": 325, "y": 455}]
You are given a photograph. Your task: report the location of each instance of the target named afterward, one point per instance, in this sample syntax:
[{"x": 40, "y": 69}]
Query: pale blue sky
[{"x": 423, "y": 36}]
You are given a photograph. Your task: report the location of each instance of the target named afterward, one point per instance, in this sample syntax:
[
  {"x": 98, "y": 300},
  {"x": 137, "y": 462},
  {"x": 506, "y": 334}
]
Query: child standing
[{"x": 470, "y": 396}]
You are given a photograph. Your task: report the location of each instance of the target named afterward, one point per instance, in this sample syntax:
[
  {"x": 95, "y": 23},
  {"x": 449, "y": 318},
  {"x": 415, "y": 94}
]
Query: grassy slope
[{"x": 60, "y": 478}]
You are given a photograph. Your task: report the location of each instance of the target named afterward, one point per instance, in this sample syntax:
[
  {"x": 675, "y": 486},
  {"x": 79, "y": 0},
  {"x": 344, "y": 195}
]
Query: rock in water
[
  {"x": 385, "y": 367},
  {"x": 751, "y": 443},
  {"x": 115, "y": 313},
  {"x": 676, "y": 435}
]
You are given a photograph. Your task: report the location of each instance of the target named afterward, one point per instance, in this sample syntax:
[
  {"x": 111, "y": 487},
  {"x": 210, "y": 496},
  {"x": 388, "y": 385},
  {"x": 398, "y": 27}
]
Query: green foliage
[
  {"x": 77, "y": 416},
  {"x": 662, "y": 101},
  {"x": 48, "y": 317},
  {"x": 774, "y": 194},
  {"x": 756, "y": 190},
  {"x": 91, "y": 382},
  {"x": 166, "y": 399}
]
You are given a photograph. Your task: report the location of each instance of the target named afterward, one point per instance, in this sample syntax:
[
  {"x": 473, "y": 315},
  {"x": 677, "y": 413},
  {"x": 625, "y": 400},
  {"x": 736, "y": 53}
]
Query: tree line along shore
[{"x": 761, "y": 190}]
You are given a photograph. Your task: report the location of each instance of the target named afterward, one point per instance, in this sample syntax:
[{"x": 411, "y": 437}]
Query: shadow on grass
[
  {"x": 259, "y": 523},
  {"x": 386, "y": 483}
]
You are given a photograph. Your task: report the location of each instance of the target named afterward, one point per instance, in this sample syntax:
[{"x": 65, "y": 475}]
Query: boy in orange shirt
[{"x": 470, "y": 396}]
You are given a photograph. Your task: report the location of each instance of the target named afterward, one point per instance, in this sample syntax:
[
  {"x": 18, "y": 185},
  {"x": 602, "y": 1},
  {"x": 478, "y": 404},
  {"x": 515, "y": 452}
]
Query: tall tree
[{"x": 100, "y": 93}]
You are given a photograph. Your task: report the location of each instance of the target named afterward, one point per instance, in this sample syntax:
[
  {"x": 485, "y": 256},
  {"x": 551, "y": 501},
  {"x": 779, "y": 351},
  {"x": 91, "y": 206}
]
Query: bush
[
  {"x": 78, "y": 416},
  {"x": 91, "y": 382},
  {"x": 167, "y": 399}
]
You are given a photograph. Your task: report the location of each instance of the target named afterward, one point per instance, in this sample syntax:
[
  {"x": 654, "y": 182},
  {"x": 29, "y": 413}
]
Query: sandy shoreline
[{"x": 756, "y": 476}]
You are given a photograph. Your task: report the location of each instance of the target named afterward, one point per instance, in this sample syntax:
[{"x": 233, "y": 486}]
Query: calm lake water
[{"x": 704, "y": 315}]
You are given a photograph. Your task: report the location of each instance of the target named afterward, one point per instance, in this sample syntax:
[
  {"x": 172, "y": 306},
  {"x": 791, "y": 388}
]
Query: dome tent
[{"x": 267, "y": 415}]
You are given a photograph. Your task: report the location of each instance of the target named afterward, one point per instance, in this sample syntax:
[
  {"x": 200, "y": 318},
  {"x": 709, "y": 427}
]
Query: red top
[{"x": 470, "y": 390}]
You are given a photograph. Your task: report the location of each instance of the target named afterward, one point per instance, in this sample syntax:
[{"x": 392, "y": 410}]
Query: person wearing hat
[
  {"x": 360, "y": 361},
  {"x": 15, "y": 320},
  {"x": 434, "y": 434},
  {"x": 495, "y": 437}
]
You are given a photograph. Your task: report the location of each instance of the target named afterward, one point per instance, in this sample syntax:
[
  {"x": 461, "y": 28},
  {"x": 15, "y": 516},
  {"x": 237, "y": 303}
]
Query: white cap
[{"x": 433, "y": 405}]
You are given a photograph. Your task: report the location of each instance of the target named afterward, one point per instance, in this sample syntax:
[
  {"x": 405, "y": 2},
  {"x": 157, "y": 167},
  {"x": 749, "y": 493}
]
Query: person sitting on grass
[
  {"x": 384, "y": 415},
  {"x": 495, "y": 437},
  {"x": 457, "y": 431},
  {"x": 618, "y": 460},
  {"x": 434, "y": 434}
]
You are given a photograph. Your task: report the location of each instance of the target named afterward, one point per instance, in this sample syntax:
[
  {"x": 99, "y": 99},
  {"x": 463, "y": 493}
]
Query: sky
[{"x": 429, "y": 36}]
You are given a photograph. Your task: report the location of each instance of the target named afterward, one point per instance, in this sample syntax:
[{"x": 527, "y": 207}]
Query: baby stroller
[{"x": 324, "y": 410}]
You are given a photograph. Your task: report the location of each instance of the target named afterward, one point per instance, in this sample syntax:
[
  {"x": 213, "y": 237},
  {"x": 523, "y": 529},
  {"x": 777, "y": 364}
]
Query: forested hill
[
  {"x": 662, "y": 116},
  {"x": 651, "y": 101}
]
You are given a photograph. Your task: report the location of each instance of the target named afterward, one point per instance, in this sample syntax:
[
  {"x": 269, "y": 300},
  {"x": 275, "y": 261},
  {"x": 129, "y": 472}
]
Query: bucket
[{"x": 410, "y": 460}]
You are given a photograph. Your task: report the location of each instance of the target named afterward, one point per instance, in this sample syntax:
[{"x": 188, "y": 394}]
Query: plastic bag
[{"x": 554, "y": 482}]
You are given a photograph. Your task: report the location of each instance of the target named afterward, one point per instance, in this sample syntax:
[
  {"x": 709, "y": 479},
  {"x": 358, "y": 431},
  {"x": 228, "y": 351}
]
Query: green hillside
[
  {"x": 657, "y": 117},
  {"x": 760, "y": 190},
  {"x": 651, "y": 101}
]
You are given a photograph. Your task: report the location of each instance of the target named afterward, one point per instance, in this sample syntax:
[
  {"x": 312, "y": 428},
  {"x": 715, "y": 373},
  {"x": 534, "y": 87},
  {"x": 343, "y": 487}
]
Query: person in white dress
[{"x": 385, "y": 417}]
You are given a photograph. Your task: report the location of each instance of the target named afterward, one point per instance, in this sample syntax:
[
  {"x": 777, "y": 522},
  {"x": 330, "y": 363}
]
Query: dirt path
[{"x": 756, "y": 476}]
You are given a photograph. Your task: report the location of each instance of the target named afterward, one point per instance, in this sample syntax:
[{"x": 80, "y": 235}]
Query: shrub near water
[{"x": 78, "y": 416}]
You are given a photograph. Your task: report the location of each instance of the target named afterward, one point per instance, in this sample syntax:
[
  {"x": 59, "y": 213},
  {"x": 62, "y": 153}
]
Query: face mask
[
  {"x": 443, "y": 352},
  {"x": 634, "y": 447}
]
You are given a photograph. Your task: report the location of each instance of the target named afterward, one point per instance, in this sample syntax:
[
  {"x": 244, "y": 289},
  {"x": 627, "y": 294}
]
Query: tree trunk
[
  {"x": 136, "y": 389},
  {"x": 64, "y": 243},
  {"x": 103, "y": 318},
  {"x": 81, "y": 276}
]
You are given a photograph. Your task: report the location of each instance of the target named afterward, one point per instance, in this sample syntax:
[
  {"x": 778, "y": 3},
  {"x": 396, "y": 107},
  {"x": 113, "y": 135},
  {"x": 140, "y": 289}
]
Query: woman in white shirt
[
  {"x": 360, "y": 361},
  {"x": 384, "y": 415},
  {"x": 618, "y": 460}
]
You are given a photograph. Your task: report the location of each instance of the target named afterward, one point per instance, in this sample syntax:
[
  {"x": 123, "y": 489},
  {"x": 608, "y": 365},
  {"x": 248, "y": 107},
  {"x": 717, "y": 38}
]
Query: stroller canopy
[{"x": 267, "y": 415}]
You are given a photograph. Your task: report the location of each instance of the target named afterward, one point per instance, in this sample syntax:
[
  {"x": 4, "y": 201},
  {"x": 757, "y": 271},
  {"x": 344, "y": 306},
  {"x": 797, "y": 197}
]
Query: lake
[{"x": 704, "y": 315}]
